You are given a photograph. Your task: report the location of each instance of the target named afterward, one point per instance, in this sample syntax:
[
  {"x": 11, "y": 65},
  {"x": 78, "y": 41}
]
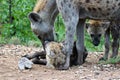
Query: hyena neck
[{"x": 50, "y": 11}]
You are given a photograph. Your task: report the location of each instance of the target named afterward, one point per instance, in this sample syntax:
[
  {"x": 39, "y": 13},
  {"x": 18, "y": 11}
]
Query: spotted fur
[
  {"x": 74, "y": 13},
  {"x": 54, "y": 55}
]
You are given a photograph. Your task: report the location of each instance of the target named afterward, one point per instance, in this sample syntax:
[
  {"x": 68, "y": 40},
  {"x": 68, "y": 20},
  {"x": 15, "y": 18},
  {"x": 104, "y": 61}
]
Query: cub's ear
[
  {"x": 34, "y": 17},
  {"x": 105, "y": 25},
  {"x": 87, "y": 25},
  {"x": 61, "y": 46}
]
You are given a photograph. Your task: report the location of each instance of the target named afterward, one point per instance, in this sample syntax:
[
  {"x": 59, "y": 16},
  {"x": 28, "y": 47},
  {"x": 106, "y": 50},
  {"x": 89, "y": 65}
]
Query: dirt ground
[{"x": 90, "y": 70}]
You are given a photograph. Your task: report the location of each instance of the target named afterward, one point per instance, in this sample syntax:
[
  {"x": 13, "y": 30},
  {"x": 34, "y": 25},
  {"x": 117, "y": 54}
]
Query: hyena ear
[
  {"x": 87, "y": 25},
  {"x": 105, "y": 25},
  {"x": 61, "y": 45},
  {"x": 34, "y": 17}
]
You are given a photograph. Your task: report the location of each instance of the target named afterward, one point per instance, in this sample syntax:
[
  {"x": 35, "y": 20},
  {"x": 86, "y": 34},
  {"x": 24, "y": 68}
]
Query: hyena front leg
[
  {"x": 115, "y": 35},
  {"x": 80, "y": 42},
  {"x": 71, "y": 17},
  {"x": 107, "y": 44}
]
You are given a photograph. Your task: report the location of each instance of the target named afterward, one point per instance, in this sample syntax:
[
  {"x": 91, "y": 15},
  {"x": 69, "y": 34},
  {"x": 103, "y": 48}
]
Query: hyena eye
[
  {"x": 92, "y": 35},
  {"x": 99, "y": 35}
]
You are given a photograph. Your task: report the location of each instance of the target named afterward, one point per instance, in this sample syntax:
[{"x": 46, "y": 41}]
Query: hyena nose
[{"x": 96, "y": 43}]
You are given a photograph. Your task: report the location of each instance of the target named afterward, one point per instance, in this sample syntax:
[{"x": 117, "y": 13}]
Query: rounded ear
[
  {"x": 34, "y": 17},
  {"x": 86, "y": 25},
  {"x": 105, "y": 25},
  {"x": 61, "y": 44}
]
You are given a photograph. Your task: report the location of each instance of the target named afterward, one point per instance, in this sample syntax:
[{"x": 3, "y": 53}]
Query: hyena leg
[
  {"x": 39, "y": 61},
  {"x": 80, "y": 42},
  {"x": 107, "y": 44},
  {"x": 71, "y": 17},
  {"x": 37, "y": 58},
  {"x": 41, "y": 54},
  {"x": 115, "y": 43}
]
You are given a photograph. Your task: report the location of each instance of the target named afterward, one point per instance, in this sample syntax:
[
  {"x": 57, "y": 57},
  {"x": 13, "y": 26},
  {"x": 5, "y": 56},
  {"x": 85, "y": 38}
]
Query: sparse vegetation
[{"x": 111, "y": 61}]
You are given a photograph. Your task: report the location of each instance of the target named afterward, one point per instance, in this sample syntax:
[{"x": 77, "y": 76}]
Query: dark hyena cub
[
  {"x": 53, "y": 57},
  {"x": 97, "y": 28},
  {"x": 56, "y": 58}
]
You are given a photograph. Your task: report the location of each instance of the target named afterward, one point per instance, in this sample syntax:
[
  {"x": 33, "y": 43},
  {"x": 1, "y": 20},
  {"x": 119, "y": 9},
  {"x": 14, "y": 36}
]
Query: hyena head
[
  {"x": 95, "y": 29},
  {"x": 54, "y": 56},
  {"x": 42, "y": 27}
]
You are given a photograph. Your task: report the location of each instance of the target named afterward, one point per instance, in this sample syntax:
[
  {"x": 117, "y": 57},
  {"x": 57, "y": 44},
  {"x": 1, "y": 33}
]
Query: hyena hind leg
[
  {"x": 37, "y": 58},
  {"x": 74, "y": 56},
  {"x": 115, "y": 44},
  {"x": 80, "y": 42},
  {"x": 107, "y": 45},
  {"x": 41, "y": 54}
]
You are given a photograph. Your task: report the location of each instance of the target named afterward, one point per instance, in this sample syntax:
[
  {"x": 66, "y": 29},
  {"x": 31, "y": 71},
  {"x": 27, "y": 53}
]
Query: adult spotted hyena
[{"x": 74, "y": 13}]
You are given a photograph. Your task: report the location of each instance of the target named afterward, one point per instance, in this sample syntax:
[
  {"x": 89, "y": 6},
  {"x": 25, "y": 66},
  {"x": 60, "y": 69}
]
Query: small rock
[
  {"x": 107, "y": 65},
  {"x": 24, "y": 63},
  {"x": 97, "y": 73}
]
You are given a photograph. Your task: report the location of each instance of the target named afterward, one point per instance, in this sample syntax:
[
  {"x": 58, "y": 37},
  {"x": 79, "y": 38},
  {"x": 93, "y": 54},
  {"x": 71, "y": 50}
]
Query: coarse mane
[{"x": 39, "y": 5}]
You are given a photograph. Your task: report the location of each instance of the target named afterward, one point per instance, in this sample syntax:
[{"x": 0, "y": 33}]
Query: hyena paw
[
  {"x": 63, "y": 67},
  {"x": 50, "y": 66},
  {"x": 85, "y": 54},
  {"x": 24, "y": 63}
]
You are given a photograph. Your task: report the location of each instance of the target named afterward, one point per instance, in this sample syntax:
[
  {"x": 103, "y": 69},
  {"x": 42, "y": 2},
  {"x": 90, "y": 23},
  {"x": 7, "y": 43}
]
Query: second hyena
[{"x": 97, "y": 28}]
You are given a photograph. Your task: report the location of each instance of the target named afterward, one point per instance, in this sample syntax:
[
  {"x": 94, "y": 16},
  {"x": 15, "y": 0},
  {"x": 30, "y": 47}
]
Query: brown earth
[{"x": 90, "y": 70}]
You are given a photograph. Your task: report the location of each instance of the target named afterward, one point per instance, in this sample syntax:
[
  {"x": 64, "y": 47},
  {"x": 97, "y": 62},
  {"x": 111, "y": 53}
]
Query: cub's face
[
  {"x": 95, "y": 29},
  {"x": 54, "y": 55}
]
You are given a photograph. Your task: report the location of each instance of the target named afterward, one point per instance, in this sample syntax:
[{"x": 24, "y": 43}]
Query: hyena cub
[
  {"x": 54, "y": 54},
  {"x": 97, "y": 28},
  {"x": 56, "y": 58}
]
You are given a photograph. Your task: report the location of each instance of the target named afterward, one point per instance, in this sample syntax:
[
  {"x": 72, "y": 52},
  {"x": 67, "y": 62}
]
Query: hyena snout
[
  {"x": 96, "y": 39},
  {"x": 96, "y": 42}
]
